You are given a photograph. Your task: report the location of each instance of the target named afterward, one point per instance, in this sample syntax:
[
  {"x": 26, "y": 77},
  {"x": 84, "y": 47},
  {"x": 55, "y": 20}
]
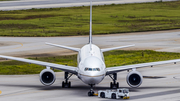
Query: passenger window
[{"x": 94, "y": 69}]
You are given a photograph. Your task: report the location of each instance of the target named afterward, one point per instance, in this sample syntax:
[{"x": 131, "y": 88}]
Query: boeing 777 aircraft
[{"x": 91, "y": 68}]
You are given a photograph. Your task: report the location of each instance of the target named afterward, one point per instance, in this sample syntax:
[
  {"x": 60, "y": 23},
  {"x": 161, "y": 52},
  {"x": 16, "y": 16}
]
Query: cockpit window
[
  {"x": 85, "y": 69},
  {"x": 97, "y": 69},
  {"x": 91, "y": 69}
]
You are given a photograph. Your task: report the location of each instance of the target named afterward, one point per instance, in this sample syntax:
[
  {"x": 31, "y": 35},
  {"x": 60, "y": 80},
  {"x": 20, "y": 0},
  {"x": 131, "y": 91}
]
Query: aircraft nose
[{"x": 92, "y": 80}]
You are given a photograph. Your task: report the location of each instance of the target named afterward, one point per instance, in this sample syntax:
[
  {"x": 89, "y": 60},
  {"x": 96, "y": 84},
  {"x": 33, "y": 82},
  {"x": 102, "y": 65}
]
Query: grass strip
[
  {"x": 112, "y": 58},
  {"x": 107, "y": 19}
]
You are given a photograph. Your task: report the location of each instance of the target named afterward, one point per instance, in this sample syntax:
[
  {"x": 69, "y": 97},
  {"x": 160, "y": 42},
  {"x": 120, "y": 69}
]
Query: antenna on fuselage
[{"x": 90, "y": 27}]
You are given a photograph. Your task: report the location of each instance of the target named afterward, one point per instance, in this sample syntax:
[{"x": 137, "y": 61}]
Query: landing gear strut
[
  {"x": 91, "y": 92},
  {"x": 66, "y": 84},
  {"x": 114, "y": 84}
]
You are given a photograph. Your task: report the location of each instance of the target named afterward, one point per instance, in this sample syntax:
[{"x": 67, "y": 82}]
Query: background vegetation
[
  {"x": 112, "y": 58},
  {"x": 107, "y": 19}
]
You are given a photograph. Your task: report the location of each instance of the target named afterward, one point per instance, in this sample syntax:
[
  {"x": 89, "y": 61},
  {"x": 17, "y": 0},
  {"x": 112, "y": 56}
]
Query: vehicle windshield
[{"x": 125, "y": 91}]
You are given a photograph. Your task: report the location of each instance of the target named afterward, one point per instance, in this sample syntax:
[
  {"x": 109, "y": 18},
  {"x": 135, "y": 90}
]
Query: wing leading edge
[
  {"x": 112, "y": 70},
  {"x": 70, "y": 69}
]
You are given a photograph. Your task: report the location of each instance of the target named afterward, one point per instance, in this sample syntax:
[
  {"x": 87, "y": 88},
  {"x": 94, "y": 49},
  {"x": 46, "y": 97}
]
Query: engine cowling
[
  {"x": 47, "y": 77},
  {"x": 134, "y": 79}
]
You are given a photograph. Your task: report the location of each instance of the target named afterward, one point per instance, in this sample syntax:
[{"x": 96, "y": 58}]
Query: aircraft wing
[
  {"x": 112, "y": 70},
  {"x": 70, "y": 69}
]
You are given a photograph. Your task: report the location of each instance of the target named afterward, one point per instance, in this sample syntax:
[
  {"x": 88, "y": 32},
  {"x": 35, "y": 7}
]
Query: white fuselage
[{"x": 91, "y": 64}]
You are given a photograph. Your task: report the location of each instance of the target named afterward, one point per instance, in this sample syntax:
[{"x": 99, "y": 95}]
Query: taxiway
[
  {"x": 166, "y": 87},
  {"x": 161, "y": 82},
  {"x": 168, "y": 41}
]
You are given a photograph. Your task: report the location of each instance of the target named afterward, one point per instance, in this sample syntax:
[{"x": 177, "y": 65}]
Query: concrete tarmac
[
  {"x": 165, "y": 87},
  {"x": 29, "y": 88},
  {"x": 168, "y": 41}
]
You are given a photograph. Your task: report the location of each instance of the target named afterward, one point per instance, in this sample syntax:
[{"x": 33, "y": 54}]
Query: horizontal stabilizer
[
  {"x": 66, "y": 47},
  {"x": 114, "y": 48}
]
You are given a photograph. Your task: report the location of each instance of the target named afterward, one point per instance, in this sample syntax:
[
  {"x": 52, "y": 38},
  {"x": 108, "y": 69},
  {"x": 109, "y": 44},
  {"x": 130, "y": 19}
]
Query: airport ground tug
[{"x": 114, "y": 94}]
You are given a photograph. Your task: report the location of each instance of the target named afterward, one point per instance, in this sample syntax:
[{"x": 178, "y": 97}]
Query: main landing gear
[
  {"x": 66, "y": 84},
  {"x": 91, "y": 92},
  {"x": 114, "y": 84}
]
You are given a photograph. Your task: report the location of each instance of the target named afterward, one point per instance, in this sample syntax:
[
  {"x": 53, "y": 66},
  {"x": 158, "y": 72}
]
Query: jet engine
[
  {"x": 47, "y": 77},
  {"x": 134, "y": 79}
]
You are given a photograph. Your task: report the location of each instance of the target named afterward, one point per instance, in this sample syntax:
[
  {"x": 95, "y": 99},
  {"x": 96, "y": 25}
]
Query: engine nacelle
[
  {"x": 47, "y": 77},
  {"x": 134, "y": 79}
]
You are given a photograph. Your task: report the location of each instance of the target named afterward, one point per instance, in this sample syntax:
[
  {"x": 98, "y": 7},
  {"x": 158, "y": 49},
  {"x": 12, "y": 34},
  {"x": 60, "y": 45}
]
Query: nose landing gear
[{"x": 91, "y": 92}]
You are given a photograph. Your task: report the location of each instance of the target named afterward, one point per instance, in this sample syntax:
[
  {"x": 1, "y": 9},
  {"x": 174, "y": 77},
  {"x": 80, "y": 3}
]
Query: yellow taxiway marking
[
  {"x": 15, "y": 47},
  {"x": 0, "y": 92},
  {"x": 19, "y": 46}
]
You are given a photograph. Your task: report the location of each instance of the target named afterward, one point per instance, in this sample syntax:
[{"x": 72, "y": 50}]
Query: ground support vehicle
[{"x": 114, "y": 94}]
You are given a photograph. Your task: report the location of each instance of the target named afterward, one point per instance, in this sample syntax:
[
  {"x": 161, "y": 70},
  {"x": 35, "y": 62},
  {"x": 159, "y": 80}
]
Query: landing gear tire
[
  {"x": 111, "y": 85},
  {"x": 113, "y": 96},
  {"x": 66, "y": 84},
  {"x": 91, "y": 93},
  {"x": 63, "y": 84},
  {"x": 116, "y": 85},
  {"x": 69, "y": 85},
  {"x": 102, "y": 95}
]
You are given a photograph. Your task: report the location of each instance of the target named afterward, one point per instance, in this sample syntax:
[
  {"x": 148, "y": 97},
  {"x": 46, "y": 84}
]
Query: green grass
[
  {"x": 107, "y": 19},
  {"x": 112, "y": 58},
  {"x": 7, "y": 0}
]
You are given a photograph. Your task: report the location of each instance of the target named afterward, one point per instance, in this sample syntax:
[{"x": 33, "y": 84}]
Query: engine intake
[
  {"x": 47, "y": 77},
  {"x": 134, "y": 79}
]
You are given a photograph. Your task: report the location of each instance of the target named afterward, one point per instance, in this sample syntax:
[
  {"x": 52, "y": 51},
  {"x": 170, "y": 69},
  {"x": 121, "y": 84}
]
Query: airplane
[{"x": 91, "y": 67}]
